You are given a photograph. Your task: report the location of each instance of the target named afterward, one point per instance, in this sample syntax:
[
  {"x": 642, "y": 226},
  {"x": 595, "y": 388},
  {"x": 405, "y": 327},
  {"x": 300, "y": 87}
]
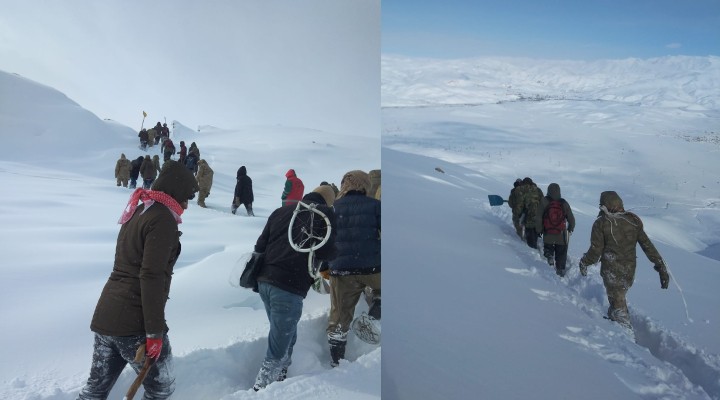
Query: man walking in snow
[
  {"x": 615, "y": 234},
  {"x": 135, "y": 171},
  {"x": 130, "y": 314},
  {"x": 513, "y": 201},
  {"x": 293, "y": 190},
  {"x": 357, "y": 263},
  {"x": 556, "y": 222},
  {"x": 284, "y": 280},
  {"x": 122, "y": 171},
  {"x": 148, "y": 172},
  {"x": 527, "y": 209},
  {"x": 205, "y": 180},
  {"x": 243, "y": 192}
]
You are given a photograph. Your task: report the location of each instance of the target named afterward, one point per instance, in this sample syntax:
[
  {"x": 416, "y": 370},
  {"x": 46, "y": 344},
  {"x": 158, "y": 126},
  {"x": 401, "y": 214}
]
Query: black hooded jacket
[
  {"x": 243, "y": 187},
  {"x": 284, "y": 267}
]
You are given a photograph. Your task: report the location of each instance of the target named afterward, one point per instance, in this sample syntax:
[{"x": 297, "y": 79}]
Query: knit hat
[
  {"x": 327, "y": 193},
  {"x": 177, "y": 181},
  {"x": 354, "y": 180}
]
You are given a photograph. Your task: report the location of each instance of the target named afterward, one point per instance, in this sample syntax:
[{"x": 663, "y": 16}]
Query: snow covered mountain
[{"x": 686, "y": 83}]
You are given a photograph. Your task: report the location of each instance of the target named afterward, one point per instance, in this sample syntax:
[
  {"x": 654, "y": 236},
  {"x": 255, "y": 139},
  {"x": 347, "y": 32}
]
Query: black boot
[{"x": 337, "y": 351}]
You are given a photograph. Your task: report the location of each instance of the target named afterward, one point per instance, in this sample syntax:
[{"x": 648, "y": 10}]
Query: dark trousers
[
  {"x": 531, "y": 237},
  {"x": 110, "y": 356},
  {"x": 558, "y": 252}
]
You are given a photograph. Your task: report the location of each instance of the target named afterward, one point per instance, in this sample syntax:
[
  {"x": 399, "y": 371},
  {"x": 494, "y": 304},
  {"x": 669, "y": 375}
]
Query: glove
[
  {"x": 153, "y": 347},
  {"x": 664, "y": 276},
  {"x": 583, "y": 269}
]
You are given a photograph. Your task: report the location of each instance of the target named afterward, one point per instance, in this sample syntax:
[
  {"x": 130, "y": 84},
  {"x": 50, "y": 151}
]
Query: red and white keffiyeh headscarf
[{"x": 149, "y": 197}]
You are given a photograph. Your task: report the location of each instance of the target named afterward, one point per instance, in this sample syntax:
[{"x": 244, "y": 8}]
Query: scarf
[{"x": 149, "y": 197}]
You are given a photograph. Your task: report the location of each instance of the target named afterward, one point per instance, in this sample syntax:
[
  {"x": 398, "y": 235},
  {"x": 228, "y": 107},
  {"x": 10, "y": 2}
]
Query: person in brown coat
[
  {"x": 122, "y": 171},
  {"x": 205, "y": 179},
  {"x": 148, "y": 171},
  {"x": 156, "y": 162},
  {"x": 130, "y": 313},
  {"x": 614, "y": 237}
]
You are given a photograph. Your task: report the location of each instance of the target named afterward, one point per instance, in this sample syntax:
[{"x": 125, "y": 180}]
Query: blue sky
[{"x": 551, "y": 29}]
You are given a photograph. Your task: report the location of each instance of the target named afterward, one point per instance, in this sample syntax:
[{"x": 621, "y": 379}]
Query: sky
[
  {"x": 58, "y": 238},
  {"x": 557, "y": 29},
  {"x": 224, "y": 62}
]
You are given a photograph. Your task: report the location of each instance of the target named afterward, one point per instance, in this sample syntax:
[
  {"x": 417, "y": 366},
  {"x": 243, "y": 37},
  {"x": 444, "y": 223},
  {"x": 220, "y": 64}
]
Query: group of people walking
[
  {"x": 129, "y": 318},
  {"x": 613, "y": 239},
  {"x": 352, "y": 254}
]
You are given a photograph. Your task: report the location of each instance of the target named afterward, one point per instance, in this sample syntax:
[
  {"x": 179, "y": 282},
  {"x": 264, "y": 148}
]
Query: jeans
[
  {"x": 283, "y": 310},
  {"x": 112, "y": 353}
]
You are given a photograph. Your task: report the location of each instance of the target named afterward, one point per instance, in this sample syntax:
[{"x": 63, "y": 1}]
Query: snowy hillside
[
  {"x": 473, "y": 312},
  {"x": 680, "y": 82},
  {"x": 58, "y": 228}
]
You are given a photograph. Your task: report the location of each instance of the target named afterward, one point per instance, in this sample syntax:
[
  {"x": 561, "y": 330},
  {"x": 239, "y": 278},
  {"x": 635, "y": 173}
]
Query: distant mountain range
[{"x": 691, "y": 83}]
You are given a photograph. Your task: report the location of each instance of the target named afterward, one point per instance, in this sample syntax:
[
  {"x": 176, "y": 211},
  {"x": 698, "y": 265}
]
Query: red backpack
[{"x": 554, "y": 217}]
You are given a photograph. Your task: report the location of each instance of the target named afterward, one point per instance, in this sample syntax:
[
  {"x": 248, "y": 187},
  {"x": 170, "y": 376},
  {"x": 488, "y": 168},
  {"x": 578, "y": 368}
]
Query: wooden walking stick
[{"x": 141, "y": 375}]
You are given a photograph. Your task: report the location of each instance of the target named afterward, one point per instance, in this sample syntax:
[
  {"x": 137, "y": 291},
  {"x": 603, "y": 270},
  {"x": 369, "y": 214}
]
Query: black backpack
[{"x": 554, "y": 217}]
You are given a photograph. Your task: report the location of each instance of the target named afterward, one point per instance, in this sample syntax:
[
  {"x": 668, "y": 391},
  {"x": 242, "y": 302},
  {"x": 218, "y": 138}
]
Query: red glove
[{"x": 153, "y": 347}]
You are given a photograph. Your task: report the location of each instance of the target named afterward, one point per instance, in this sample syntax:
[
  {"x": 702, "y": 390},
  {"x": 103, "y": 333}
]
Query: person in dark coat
[
  {"x": 165, "y": 131},
  {"x": 168, "y": 148},
  {"x": 130, "y": 313},
  {"x": 284, "y": 281},
  {"x": 357, "y": 263},
  {"x": 555, "y": 241},
  {"x": 613, "y": 240},
  {"x": 144, "y": 137},
  {"x": 158, "y": 133},
  {"x": 183, "y": 153},
  {"x": 513, "y": 200},
  {"x": 148, "y": 172},
  {"x": 135, "y": 171},
  {"x": 243, "y": 192}
]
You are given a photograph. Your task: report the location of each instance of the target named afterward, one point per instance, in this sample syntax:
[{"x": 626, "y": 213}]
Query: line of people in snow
[
  {"x": 613, "y": 239},
  {"x": 129, "y": 319}
]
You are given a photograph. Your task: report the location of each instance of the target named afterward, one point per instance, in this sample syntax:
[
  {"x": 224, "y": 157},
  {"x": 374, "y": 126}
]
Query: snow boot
[
  {"x": 337, "y": 351},
  {"x": 560, "y": 272},
  {"x": 283, "y": 375}
]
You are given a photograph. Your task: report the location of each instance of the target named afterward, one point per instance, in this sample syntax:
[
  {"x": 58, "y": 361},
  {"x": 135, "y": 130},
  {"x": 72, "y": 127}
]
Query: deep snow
[
  {"x": 58, "y": 227},
  {"x": 471, "y": 311}
]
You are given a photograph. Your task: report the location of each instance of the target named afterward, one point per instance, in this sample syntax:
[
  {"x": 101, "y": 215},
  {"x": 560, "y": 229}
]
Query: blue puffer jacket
[{"x": 358, "y": 235}]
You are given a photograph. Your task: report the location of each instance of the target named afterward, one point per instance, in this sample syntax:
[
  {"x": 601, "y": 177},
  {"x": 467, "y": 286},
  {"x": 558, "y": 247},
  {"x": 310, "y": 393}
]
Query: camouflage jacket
[
  {"x": 528, "y": 200},
  {"x": 615, "y": 234}
]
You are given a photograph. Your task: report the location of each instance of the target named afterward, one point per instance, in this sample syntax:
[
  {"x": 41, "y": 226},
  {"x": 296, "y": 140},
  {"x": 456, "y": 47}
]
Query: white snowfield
[
  {"x": 58, "y": 230},
  {"x": 475, "y": 312}
]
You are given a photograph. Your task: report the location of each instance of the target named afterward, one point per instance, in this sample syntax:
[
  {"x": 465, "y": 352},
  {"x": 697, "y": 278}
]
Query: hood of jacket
[
  {"x": 553, "y": 191},
  {"x": 612, "y": 201},
  {"x": 290, "y": 173}
]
